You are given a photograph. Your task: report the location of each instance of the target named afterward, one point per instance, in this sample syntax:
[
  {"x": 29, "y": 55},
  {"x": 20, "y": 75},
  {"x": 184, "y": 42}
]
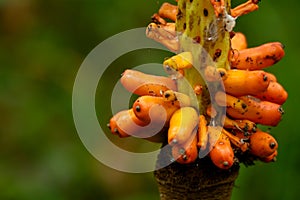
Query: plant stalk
[{"x": 203, "y": 33}]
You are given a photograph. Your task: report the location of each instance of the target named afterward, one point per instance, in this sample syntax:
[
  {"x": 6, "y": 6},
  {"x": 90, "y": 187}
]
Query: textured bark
[{"x": 199, "y": 180}]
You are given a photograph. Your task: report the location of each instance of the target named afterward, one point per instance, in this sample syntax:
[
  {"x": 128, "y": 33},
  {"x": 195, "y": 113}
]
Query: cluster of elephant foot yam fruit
[{"x": 252, "y": 96}]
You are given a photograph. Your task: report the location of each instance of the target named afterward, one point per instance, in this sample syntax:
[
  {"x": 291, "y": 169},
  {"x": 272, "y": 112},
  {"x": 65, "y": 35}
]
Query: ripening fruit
[
  {"x": 187, "y": 152},
  {"x": 239, "y": 41},
  {"x": 182, "y": 124},
  {"x": 257, "y": 58},
  {"x": 244, "y": 8},
  {"x": 274, "y": 93},
  {"x": 242, "y": 125},
  {"x": 230, "y": 101},
  {"x": 177, "y": 98},
  {"x": 125, "y": 123},
  {"x": 202, "y": 133},
  {"x": 180, "y": 61},
  {"x": 242, "y": 82},
  {"x": 222, "y": 154},
  {"x": 262, "y": 144},
  {"x": 154, "y": 109},
  {"x": 168, "y": 11},
  {"x": 261, "y": 112},
  {"x": 145, "y": 84},
  {"x": 271, "y": 158}
]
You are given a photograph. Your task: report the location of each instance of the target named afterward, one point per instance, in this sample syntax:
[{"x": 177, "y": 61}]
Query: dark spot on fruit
[
  {"x": 138, "y": 108},
  {"x": 116, "y": 130},
  {"x": 244, "y": 106},
  {"x": 254, "y": 129},
  {"x": 249, "y": 60},
  {"x": 225, "y": 163},
  {"x": 265, "y": 78},
  {"x": 272, "y": 57},
  {"x": 280, "y": 109},
  {"x": 181, "y": 151},
  {"x": 222, "y": 73},
  {"x": 168, "y": 69},
  {"x": 272, "y": 145}
]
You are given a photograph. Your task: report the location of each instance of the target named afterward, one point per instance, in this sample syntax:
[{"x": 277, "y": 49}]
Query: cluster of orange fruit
[{"x": 252, "y": 96}]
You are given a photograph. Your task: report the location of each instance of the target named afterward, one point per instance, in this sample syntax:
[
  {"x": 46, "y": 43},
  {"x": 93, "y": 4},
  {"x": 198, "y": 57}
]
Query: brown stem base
[{"x": 199, "y": 180}]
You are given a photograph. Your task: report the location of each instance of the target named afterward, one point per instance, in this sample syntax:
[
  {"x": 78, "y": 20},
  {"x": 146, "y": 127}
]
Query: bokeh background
[{"x": 42, "y": 45}]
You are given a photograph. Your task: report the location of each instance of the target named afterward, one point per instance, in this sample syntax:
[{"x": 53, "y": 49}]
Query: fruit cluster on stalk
[{"x": 166, "y": 112}]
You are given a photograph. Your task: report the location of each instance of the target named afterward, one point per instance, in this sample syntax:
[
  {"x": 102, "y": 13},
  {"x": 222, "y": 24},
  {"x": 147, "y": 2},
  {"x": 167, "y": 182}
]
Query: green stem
[{"x": 203, "y": 34}]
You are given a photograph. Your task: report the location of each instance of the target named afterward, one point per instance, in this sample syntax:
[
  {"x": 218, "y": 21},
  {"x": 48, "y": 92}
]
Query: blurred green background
[{"x": 42, "y": 45}]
